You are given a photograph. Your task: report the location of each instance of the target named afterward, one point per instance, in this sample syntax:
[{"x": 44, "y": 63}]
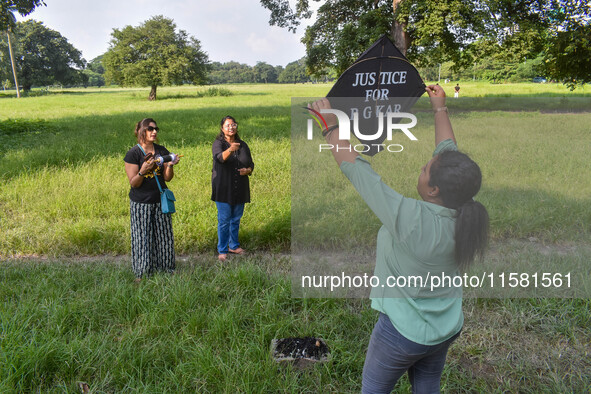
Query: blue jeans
[
  {"x": 228, "y": 225},
  {"x": 390, "y": 355}
]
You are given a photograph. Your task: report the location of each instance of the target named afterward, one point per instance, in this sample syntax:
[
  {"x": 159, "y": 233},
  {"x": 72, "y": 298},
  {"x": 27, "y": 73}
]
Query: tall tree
[
  {"x": 343, "y": 29},
  {"x": 294, "y": 72},
  {"x": 9, "y": 7},
  {"x": 8, "y": 21},
  {"x": 12, "y": 63},
  {"x": 568, "y": 58},
  {"x": 556, "y": 32},
  {"x": 44, "y": 56},
  {"x": 567, "y": 55},
  {"x": 95, "y": 72},
  {"x": 96, "y": 65},
  {"x": 432, "y": 31},
  {"x": 154, "y": 54},
  {"x": 264, "y": 72}
]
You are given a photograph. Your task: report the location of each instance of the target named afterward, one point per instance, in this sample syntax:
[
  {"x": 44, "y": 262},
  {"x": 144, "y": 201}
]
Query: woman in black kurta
[{"x": 232, "y": 165}]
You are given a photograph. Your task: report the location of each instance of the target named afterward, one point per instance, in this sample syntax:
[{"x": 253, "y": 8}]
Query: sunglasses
[{"x": 151, "y": 128}]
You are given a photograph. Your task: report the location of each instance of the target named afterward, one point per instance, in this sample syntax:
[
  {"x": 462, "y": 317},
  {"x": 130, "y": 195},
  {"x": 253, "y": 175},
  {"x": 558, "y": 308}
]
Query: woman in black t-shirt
[
  {"x": 152, "y": 241},
  {"x": 232, "y": 164}
]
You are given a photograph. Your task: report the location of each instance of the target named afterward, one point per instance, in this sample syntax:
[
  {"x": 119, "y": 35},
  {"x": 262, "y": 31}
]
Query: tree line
[
  {"x": 262, "y": 72},
  {"x": 224, "y": 73},
  {"x": 152, "y": 54},
  {"x": 494, "y": 40}
]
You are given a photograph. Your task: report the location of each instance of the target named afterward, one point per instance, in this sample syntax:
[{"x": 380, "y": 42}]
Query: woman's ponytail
[
  {"x": 471, "y": 233},
  {"x": 459, "y": 178}
]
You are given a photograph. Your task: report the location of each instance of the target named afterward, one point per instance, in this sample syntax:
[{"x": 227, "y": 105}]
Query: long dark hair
[
  {"x": 459, "y": 178},
  {"x": 140, "y": 129},
  {"x": 221, "y": 135}
]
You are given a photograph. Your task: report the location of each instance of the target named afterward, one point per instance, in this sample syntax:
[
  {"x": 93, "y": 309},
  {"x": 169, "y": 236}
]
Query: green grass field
[
  {"x": 64, "y": 189},
  {"x": 70, "y": 312}
]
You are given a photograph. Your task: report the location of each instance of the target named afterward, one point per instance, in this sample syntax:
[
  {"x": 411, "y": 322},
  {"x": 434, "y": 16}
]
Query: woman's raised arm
[
  {"x": 443, "y": 129},
  {"x": 341, "y": 149}
]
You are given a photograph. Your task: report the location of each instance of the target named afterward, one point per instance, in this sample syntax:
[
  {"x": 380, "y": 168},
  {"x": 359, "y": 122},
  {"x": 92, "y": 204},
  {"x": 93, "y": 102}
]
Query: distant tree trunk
[
  {"x": 18, "y": 93},
  {"x": 399, "y": 34},
  {"x": 152, "y": 95}
]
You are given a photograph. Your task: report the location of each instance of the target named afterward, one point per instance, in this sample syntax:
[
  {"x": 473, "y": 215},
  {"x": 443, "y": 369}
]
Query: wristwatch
[{"x": 140, "y": 173}]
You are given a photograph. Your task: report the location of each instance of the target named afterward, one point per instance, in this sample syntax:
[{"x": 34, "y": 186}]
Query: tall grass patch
[
  {"x": 64, "y": 188},
  {"x": 206, "y": 329},
  {"x": 530, "y": 161},
  {"x": 209, "y": 327}
]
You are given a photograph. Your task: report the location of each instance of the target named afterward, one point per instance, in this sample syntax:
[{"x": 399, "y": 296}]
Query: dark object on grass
[{"x": 301, "y": 352}]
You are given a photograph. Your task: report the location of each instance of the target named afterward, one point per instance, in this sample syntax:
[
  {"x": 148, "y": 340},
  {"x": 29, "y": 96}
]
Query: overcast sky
[{"x": 228, "y": 29}]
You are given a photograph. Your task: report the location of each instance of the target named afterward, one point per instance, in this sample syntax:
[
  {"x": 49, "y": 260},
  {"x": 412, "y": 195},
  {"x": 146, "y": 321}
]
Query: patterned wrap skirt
[{"x": 152, "y": 241}]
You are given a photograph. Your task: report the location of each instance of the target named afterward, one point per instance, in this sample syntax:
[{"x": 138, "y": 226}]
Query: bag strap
[
  {"x": 155, "y": 175},
  {"x": 158, "y": 182},
  {"x": 142, "y": 149}
]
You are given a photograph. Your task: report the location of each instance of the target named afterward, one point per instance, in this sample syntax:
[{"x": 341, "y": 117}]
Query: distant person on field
[
  {"x": 232, "y": 165},
  {"x": 152, "y": 241},
  {"x": 442, "y": 233},
  {"x": 457, "y": 91}
]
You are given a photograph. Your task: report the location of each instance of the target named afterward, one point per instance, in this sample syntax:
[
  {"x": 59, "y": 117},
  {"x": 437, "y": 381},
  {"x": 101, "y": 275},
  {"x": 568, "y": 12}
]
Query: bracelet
[
  {"x": 440, "y": 109},
  {"x": 328, "y": 130},
  {"x": 140, "y": 173}
]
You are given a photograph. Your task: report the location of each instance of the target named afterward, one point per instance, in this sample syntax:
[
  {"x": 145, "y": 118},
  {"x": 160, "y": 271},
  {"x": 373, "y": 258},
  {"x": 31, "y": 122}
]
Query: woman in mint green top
[{"x": 441, "y": 234}]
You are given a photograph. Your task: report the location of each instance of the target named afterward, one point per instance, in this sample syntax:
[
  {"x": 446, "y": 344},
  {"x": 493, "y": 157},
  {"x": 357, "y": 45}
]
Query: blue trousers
[
  {"x": 228, "y": 225},
  {"x": 390, "y": 355}
]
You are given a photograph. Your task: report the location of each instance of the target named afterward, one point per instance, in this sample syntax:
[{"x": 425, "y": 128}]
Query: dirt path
[{"x": 497, "y": 248}]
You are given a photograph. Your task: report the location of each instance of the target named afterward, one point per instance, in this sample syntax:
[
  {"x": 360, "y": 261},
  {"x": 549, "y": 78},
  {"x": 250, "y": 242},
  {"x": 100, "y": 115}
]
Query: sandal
[{"x": 237, "y": 251}]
